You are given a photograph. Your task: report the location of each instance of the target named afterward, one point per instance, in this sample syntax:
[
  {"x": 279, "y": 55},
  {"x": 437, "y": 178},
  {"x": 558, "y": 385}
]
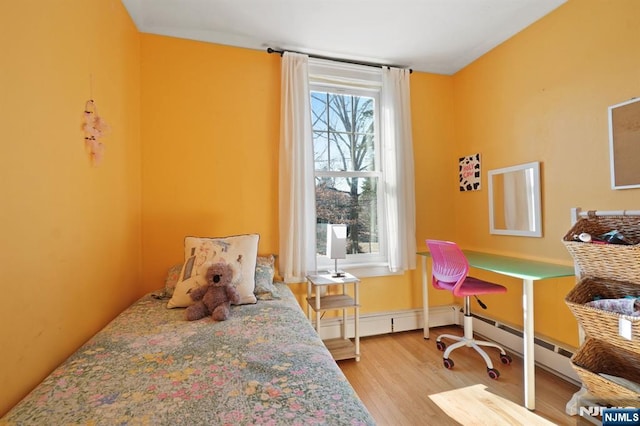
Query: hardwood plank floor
[{"x": 402, "y": 381}]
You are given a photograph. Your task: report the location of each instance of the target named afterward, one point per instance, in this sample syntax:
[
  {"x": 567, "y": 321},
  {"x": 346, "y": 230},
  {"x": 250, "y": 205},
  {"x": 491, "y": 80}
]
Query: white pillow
[{"x": 239, "y": 251}]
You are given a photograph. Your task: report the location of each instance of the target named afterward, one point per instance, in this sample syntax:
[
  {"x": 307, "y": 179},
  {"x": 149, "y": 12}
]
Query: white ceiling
[{"x": 438, "y": 36}]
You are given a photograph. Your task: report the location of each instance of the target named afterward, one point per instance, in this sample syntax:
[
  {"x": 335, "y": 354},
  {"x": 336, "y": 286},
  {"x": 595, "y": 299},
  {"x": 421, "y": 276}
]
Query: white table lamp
[{"x": 337, "y": 245}]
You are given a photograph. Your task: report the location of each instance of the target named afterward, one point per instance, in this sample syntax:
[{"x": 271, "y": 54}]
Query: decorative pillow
[
  {"x": 265, "y": 271},
  {"x": 180, "y": 297},
  {"x": 172, "y": 279},
  {"x": 239, "y": 251}
]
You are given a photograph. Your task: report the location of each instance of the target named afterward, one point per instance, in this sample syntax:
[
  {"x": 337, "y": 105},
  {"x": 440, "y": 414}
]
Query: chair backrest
[{"x": 449, "y": 265}]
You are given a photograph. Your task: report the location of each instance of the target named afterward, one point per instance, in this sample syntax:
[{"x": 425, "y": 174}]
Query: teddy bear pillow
[{"x": 240, "y": 251}]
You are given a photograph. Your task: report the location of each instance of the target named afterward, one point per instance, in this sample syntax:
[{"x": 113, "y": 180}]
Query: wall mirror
[
  {"x": 624, "y": 144},
  {"x": 514, "y": 200}
]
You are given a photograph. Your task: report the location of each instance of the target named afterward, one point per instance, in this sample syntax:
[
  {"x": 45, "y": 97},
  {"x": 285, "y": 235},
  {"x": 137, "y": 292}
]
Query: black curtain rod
[{"x": 346, "y": 61}]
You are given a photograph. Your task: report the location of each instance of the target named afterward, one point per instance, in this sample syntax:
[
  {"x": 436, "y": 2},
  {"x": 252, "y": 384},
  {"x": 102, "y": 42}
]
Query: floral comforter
[{"x": 265, "y": 365}]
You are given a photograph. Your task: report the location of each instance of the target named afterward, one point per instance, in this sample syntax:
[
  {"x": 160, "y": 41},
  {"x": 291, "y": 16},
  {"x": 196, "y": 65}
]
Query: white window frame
[{"x": 338, "y": 78}]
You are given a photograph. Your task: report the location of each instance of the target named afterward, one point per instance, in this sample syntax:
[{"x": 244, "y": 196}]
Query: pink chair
[{"x": 449, "y": 272}]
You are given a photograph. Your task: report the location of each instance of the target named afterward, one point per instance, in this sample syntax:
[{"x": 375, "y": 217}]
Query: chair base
[{"x": 468, "y": 340}]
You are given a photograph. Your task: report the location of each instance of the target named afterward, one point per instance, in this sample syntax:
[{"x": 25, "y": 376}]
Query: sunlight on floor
[{"x": 475, "y": 405}]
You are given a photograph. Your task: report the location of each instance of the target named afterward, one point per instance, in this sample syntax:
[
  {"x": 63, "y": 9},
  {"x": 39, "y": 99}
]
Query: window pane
[
  {"x": 319, "y": 111},
  {"x": 365, "y": 153},
  {"x": 352, "y": 201},
  {"x": 364, "y": 136},
  {"x": 364, "y": 118},
  {"x": 339, "y": 152},
  {"x": 321, "y": 151},
  {"x": 340, "y": 113},
  {"x": 348, "y": 121}
]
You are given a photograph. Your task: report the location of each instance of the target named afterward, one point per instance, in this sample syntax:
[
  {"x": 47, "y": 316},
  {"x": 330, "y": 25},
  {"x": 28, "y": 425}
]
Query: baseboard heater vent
[
  {"x": 389, "y": 322},
  {"x": 548, "y": 355}
]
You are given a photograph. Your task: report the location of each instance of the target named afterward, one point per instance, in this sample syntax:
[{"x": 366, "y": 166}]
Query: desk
[{"x": 528, "y": 271}]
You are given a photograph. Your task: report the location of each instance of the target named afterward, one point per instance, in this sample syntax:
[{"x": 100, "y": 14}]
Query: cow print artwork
[{"x": 469, "y": 171}]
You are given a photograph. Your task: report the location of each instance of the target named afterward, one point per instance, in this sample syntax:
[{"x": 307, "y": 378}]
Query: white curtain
[
  {"x": 296, "y": 183},
  {"x": 398, "y": 169}
]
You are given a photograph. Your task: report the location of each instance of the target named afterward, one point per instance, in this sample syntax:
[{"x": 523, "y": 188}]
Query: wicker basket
[
  {"x": 594, "y": 357},
  {"x": 618, "y": 262},
  {"x": 597, "y": 322}
]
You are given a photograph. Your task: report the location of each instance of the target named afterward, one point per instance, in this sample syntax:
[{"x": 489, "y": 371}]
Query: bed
[{"x": 264, "y": 365}]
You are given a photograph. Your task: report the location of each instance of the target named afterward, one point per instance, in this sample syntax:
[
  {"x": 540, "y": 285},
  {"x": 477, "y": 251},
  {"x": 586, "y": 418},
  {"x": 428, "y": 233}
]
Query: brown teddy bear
[{"x": 216, "y": 296}]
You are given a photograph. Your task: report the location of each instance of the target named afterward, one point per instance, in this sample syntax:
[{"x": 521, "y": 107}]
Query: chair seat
[{"x": 473, "y": 286}]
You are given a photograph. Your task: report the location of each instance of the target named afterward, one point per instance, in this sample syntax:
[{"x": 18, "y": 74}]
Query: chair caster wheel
[
  {"x": 448, "y": 363},
  {"x": 493, "y": 373},
  {"x": 505, "y": 359},
  {"x": 441, "y": 346}
]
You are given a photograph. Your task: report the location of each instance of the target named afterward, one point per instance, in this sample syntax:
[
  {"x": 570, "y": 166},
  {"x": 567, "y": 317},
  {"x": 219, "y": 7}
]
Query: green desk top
[{"x": 513, "y": 266}]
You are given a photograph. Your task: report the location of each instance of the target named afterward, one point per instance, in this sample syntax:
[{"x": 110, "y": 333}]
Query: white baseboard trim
[
  {"x": 389, "y": 322},
  {"x": 549, "y": 356}
]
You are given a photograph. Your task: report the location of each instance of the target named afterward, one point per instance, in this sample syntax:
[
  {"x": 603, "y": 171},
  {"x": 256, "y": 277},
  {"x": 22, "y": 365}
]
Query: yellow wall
[
  {"x": 543, "y": 96},
  {"x": 210, "y": 127},
  {"x": 210, "y": 131},
  {"x": 70, "y": 246}
]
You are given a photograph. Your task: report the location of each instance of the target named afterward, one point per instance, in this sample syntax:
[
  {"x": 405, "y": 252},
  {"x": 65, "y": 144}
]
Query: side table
[{"x": 340, "y": 348}]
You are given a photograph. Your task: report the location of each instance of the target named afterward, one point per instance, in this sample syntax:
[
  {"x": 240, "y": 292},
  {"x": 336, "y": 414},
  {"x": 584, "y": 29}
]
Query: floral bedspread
[{"x": 265, "y": 365}]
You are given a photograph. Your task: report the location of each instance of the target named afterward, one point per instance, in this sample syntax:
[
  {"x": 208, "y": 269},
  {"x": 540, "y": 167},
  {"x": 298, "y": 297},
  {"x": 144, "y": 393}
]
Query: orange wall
[
  {"x": 210, "y": 135},
  {"x": 210, "y": 147},
  {"x": 543, "y": 96},
  {"x": 70, "y": 246}
]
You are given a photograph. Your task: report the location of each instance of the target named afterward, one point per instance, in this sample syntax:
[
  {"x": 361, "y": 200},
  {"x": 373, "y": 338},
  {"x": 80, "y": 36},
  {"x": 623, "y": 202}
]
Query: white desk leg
[
  {"x": 529, "y": 361},
  {"x": 425, "y": 298}
]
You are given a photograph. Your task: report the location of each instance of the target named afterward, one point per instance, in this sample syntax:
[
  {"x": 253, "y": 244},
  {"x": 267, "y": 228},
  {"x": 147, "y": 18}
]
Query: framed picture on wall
[
  {"x": 469, "y": 172},
  {"x": 624, "y": 144}
]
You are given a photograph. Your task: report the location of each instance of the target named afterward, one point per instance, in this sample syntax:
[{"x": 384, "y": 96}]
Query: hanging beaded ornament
[{"x": 94, "y": 128}]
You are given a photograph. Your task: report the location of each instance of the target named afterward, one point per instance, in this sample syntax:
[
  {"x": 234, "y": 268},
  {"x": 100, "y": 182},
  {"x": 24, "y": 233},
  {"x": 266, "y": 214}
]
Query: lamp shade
[{"x": 337, "y": 241}]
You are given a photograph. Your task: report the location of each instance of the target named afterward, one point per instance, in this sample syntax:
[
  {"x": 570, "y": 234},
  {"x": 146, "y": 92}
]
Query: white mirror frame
[{"x": 532, "y": 171}]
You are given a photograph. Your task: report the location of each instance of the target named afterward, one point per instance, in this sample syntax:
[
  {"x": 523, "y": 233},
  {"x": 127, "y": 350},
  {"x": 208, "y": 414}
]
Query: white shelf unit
[{"x": 318, "y": 301}]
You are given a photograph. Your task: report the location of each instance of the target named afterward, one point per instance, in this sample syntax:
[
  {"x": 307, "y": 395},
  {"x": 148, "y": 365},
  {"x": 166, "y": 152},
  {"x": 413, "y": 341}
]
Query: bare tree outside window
[{"x": 346, "y": 172}]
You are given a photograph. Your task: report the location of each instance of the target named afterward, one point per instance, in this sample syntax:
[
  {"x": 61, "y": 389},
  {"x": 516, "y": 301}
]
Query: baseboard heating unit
[{"x": 548, "y": 355}]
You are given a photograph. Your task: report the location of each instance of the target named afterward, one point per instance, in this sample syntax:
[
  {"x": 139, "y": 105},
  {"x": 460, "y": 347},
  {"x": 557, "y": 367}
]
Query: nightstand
[{"x": 318, "y": 301}]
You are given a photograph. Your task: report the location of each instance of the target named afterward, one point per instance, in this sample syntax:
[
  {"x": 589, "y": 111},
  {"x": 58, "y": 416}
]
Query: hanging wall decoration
[
  {"x": 469, "y": 171},
  {"x": 94, "y": 128}
]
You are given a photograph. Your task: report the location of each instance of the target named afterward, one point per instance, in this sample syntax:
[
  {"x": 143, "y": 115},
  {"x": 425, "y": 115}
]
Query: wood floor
[{"x": 401, "y": 379}]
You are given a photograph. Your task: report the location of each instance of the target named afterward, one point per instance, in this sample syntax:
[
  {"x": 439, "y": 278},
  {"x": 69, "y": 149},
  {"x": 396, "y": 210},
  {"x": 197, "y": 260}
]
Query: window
[
  {"x": 357, "y": 154},
  {"x": 347, "y": 167}
]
